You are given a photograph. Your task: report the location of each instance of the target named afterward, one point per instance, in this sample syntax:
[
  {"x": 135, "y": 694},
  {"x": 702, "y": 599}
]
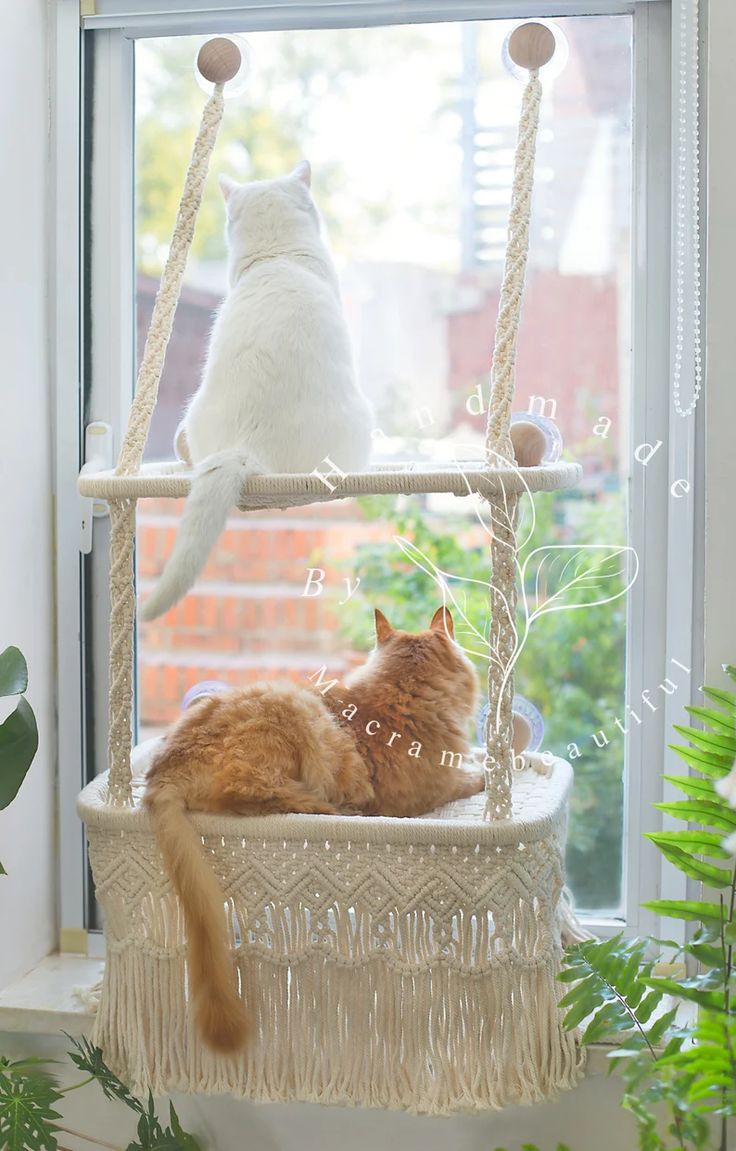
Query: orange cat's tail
[{"x": 219, "y": 1013}]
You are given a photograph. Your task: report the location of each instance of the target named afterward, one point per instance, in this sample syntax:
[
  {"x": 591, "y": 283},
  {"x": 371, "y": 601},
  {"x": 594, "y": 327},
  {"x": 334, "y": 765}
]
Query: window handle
[{"x": 97, "y": 458}]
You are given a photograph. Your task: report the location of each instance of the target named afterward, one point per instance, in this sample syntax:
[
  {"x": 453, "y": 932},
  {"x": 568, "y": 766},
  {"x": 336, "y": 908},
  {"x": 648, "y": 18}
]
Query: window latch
[{"x": 97, "y": 458}]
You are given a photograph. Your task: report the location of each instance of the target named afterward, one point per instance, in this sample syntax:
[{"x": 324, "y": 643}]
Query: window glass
[{"x": 410, "y": 131}]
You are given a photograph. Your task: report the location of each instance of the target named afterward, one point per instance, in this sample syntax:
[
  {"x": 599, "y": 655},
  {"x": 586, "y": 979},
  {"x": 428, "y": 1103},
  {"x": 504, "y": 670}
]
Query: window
[{"x": 410, "y": 129}]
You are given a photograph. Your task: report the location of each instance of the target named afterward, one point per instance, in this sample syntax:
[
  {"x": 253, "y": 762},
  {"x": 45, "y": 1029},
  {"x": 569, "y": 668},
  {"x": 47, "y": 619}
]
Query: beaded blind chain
[{"x": 687, "y": 301}]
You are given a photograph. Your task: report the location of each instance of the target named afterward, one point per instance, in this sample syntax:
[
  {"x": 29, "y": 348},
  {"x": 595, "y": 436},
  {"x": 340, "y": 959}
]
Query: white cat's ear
[
  {"x": 303, "y": 172},
  {"x": 442, "y": 621},
  {"x": 384, "y": 630},
  {"x": 227, "y": 186}
]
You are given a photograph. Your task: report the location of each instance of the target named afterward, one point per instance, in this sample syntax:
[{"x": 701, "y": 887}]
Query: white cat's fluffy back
[
  {"x": 279, "y": 380},
  {"x": 278, "y": 392}
]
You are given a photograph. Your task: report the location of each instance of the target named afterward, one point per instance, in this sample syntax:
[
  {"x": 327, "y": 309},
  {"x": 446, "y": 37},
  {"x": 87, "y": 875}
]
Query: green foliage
[
  {"x": 264, "y": 133},
  {"x": 151, "y": 1135},
  {"x": 18, "y": 733},
  {"x": 27, "y": 1115},
  {"x": 533, "y": 1147},
  {"x": 29, "y": 1094},
  {"x": 679, "y": 1082},
  {"x": 572, "y": 666}
]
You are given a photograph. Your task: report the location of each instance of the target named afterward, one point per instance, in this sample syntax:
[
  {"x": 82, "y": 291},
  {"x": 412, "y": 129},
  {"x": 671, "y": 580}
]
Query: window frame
[{"x": 94, "y": 368}]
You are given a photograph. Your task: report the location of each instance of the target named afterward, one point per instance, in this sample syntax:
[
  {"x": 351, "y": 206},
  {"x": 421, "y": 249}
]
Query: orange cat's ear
[
  {"x": 442, "y": 621},
  {"x": 384, "y": 630}
]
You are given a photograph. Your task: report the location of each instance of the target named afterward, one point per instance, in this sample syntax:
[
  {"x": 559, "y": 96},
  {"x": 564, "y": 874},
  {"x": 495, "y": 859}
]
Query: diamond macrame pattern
[{"x": 415, "y": 905}]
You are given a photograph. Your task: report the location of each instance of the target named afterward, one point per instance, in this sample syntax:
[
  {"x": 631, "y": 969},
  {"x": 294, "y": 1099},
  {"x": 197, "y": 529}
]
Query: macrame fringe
[
  {"x": 88, "y": 996},
  {"x": 571, "y": 929},
  {"x": 430, "y": 1042}
]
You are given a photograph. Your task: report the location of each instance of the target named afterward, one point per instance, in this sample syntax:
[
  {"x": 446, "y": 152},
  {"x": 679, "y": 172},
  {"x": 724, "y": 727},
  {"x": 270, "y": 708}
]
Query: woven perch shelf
[{"x": 284, "y": 491}]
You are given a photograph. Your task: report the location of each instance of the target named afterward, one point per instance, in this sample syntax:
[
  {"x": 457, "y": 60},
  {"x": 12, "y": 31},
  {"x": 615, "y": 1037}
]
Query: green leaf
[
  {"x": 18, "y": 745},
  {"x": 695, "y": 868},
  {"x": 692, "y": 911},
  {"x": 581, "y": 1010},
  {"x": 582, "y": 991},
  {"x": 730, "y": 670},
  {"x": 701, "y": 811},
  {"x": 725, "y": 698},
  {"x": 699, "y": 842},
  {"x": 89, "y": 1060},
  {"x": 27, "y": 1116},
  {"x": 661, "y": 1026},
  {"x": 711, "y": 1000},
  {"x": 186, "y": 1141},
  {"x": 13, "y": 672},
  {"x": 611, "y": 1020},
  {"x": 691, "y": 785},
  {"x": 708, "y": 740},
  {"x": 723, "y": 724},
  {"x": 706, "y": 953},
  {"x": 714, "y": 765}
]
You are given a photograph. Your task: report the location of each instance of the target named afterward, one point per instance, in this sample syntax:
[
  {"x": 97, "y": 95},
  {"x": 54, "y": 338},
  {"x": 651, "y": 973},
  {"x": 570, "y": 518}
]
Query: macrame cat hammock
[{"x": 397, "y": 963}]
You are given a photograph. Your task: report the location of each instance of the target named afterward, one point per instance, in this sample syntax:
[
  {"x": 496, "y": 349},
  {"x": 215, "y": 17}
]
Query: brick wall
[{"x": 247, "y": 617}]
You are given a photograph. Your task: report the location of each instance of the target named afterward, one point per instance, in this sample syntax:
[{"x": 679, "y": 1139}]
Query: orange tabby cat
[{"x": 384, "y": 744}]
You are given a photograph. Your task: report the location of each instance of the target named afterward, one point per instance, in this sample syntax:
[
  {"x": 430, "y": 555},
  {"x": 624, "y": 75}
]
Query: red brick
[
  {"x": 250, "y": 614},
  {"x": 291, "y": 613},
  {"x": 208, "y": 611},
  {"x": 281, "y": 544},
  {"x": 269, "y": 614},
  {"x": 170, "y": 685},
  {"x": 311, "y": 613},
  {"x": 229, "y": 615}
]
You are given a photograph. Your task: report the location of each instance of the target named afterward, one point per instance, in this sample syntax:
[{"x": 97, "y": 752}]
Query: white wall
[{"x": 27, "y": 894}]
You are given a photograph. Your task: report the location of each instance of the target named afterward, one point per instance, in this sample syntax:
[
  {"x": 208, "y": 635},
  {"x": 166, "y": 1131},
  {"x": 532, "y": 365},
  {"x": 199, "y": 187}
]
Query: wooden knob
[
  {"x": 219, "y": 60},
  {"x": 531, "y": 45},
  {"x": 522, "y": 734},
  {"x": 529, "y": 443}
]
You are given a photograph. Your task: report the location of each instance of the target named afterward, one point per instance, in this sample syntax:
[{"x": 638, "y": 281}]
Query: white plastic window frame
[{"x": 660, "y": 609}]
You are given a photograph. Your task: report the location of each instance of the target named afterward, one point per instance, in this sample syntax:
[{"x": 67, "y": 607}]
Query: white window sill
[{"x": 45, "y": 1000}]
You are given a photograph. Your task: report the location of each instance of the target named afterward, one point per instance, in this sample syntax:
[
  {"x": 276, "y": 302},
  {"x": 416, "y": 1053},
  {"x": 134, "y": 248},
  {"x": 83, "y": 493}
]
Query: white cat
[{"x": 279, "y": 392}]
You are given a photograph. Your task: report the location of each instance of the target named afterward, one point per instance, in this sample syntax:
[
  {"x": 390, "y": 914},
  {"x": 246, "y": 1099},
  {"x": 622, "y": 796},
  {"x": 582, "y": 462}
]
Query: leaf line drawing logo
[{"x": 550, "y": 578}]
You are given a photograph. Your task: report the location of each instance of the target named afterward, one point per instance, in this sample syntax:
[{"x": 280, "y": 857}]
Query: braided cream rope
[
  {"x": 122, "y": 511},
  {"x": 167, "y": 298},
  {"x": 122, "y": 630},
  {"x": 499, "y": 731},
  {"x": 509, "y": 308},
  {"x": 503, "y": 639}
]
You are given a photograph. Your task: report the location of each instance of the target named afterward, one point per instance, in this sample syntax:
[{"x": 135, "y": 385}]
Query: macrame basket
[{"x": 396, "y": 963}]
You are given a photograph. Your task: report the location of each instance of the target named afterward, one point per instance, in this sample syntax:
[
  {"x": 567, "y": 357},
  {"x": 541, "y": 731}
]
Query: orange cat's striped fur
[{"x": 280, "y": 748}]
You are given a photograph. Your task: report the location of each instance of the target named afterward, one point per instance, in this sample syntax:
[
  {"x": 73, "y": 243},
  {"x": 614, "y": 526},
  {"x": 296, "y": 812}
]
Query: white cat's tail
[{"x": 215, "y": 489}]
